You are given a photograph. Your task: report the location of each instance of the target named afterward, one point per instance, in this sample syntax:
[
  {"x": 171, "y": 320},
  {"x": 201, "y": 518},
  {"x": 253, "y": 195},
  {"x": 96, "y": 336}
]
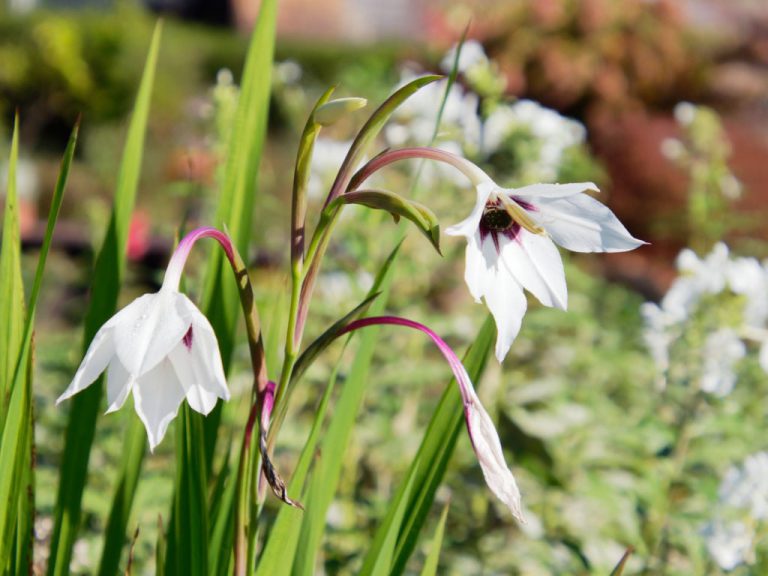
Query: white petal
[
  {"x": 150, "y": 328},
  {"x": 205, "y": 349},
  {"x": 505, "y": 299},
  {"x": 535, "y": 262},
  {"x": 192, "y": 377},
  {"x": 582, "y": 224},
  {"x": 119, "y": 385},
  {"x": 477, "y": 266},
  {"x": 100, "y": 351},
  {"x": 158, "y": 395},
  {"x": 487, "y": 446},
  {"x": 537, "y": 191},
  {"x": 470, "y": 225}
]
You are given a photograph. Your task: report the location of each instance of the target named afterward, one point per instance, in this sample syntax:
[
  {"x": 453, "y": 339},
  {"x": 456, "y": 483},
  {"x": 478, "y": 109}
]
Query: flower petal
[
  {"x": 470, "y": 225},
  {"x": 204, "y": 349},
  {"x": 487, "y": 446},
  {"x": 157, "y": 395},
  {"x": 119, "y": 385},
  {"x": 100, "y": 351},
  {"x": 505, "y": 299},
  {"x": 582, "y": 224},
  {"x": 150, "y": 327},
  {"x": 476, "y": 270},
  {"x": 535, "y": 262},
  {"x": 536, "y": 191}
]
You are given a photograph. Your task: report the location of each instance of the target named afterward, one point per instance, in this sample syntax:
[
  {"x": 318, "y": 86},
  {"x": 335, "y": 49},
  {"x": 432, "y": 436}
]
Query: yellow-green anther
[
  {"x": 520, "y": 215},
  {"x": 335, "y": 110}
]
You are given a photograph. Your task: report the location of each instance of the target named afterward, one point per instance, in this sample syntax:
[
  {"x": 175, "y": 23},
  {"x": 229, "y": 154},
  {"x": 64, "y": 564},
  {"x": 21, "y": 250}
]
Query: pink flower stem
[
  {"x": 470, "y": 170},
  {"x": 462, "y": 378},
  {"x": 244, "y": 286}
]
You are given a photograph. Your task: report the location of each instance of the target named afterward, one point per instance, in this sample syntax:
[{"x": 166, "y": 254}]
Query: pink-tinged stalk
[
  {"x": 245, "y": 289},
  {"x": 475, "y": 174},
  {"x": 482, "y": 433},
  {"x": 462, "y": 378},
  {"x": 180, "y": 255}
]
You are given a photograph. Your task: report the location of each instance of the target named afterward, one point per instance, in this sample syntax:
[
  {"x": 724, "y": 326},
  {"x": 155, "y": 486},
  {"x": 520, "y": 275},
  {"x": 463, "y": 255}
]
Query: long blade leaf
[{"x": 108, "y": 272}]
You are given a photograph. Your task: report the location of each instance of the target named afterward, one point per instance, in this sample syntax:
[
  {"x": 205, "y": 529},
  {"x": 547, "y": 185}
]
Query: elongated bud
[
  {"x": 333, "y": 111},
  {"x": 482, "y": 432}
]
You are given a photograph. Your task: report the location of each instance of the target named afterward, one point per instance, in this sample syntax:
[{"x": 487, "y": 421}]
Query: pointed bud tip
[{"x": 333, "y": 111}]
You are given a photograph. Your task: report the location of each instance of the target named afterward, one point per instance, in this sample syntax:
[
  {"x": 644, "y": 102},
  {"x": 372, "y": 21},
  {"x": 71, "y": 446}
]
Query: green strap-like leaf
[
  {"x": 424, "y": 219},
  {"x": 108, "y": 272},
  {"x": 11, "y": 289},
  {"x": 431, "y": 461},
  {"x": 431, "y": 562}
]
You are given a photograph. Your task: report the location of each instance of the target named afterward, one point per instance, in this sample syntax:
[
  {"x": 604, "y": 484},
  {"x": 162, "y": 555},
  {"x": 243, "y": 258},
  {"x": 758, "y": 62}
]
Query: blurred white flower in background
[
  {"x": 717, "y": 273},
  {"x": 472, "y": 55},
  {"x": 729, "y": 543},
  {"x": 327, "y": 158},
  {"x": 720, "y": 353},
  {"x": 746, "y": 486},
  {"x": 743, "y": 499}
]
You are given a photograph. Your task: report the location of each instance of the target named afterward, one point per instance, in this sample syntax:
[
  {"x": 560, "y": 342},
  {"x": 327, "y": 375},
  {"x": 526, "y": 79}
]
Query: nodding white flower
[
  {"x": 161, "y": 348},
  {"x": 510, "y": 247},
  {"x": 510, "y": 234}
]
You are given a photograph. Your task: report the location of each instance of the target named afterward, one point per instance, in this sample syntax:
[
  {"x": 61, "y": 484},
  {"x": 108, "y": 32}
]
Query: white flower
[
  {"x": 472, "y": 55},
  {"x": 729, "y": 543},
  {"x": 510, "y": 235},
  {"x": 161, "y": 348},
  {"x": 722, "y": 349},
  {"x": 746, "y": 486}
]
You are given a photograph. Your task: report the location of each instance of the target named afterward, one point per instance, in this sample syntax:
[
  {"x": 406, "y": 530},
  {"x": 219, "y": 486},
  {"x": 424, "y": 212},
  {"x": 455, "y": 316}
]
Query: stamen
[{"x": 520, "y": 215}]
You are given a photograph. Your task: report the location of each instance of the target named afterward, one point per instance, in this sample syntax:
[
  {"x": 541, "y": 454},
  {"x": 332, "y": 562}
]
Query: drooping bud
[{"x": 333, "y": 111}]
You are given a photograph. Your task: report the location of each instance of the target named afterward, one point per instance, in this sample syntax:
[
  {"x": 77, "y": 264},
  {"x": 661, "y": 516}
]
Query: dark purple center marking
[
  {"x": 496, "y": 221},
  {"x": 188, "y": 338}
]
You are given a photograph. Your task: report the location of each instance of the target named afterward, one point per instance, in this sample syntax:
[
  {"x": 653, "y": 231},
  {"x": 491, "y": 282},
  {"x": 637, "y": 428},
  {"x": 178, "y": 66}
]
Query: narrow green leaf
[
  {"x": 430, "y": 564},
  {"x": 108, "y": 272},
  {"x": 220, "y": 301},
  {"x": 325, "y": 477},
  {"x": 222, "y": 519},
  {"x": 379, "y": 558},
  {"x": 17, "y": 440},
  {"x": 424, "y": 219},
  {"x": 187, "y": 551},
  {"x": 160, "y": 548},
  {"x": 115, "y": 536},
  {"x": 277, "y": 557},
  {"x": 317, "y": 347},
  {"x": 431, "y": 461},
  {"x": 11, "y": 289}
]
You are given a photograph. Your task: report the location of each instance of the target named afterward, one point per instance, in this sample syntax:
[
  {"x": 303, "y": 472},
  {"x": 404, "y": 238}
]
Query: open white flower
[
  {"x": 161, "y": 348},
  {"x": 510, "y": 247}
]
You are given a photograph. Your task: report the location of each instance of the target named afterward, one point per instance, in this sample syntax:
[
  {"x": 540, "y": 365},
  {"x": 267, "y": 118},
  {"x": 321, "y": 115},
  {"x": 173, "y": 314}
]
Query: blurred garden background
[{"x": 635, "y": 419}]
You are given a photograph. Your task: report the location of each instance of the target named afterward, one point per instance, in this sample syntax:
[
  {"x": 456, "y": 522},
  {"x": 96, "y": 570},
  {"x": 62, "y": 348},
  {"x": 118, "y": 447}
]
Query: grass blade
[
  {"x": 220, "y": 301},
  {"x": 325, "y": 477},
  {"x": 436, "y": 449},
  {"x": 379, "y": 558},
  {"x": 115, "y": 536},
  {"x": 17, "y": 441},
  {"x": 108, "y": 272},
  {"x": 430, "y": 564},
  {"x": 11, "y": 288},
  {"x": 14, "y": 396}
]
